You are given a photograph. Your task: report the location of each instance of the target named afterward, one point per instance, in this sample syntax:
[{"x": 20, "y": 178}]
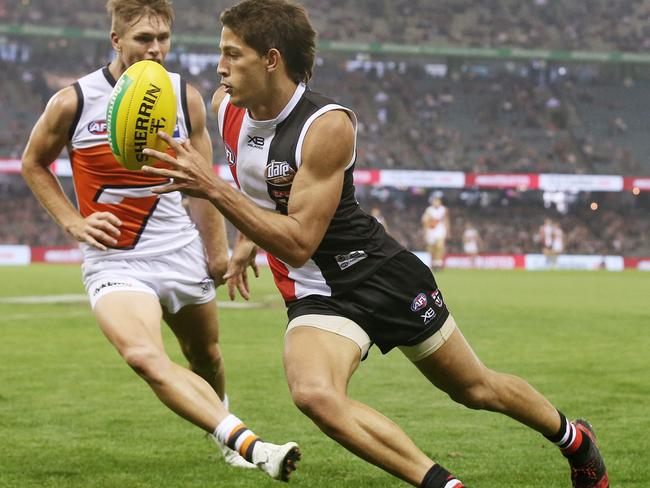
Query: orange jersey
[{"x": 151, "y": 224}]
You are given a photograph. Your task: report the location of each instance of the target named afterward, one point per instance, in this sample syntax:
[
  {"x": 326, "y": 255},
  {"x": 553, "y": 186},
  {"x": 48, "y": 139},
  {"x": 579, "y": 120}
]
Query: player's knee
[
  {"x": 319, "y": 402},
  {"x": 477, "y": 396},
  {"x": 204, "y": 357},
  {"x": 147, "y": 362}
]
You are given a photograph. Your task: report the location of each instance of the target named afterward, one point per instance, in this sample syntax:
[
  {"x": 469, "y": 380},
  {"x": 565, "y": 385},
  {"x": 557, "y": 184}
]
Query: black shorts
[{"x": 398, "y": 305}]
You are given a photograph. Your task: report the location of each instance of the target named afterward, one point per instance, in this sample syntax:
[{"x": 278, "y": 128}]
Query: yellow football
[{"x": 141, "y": 104}]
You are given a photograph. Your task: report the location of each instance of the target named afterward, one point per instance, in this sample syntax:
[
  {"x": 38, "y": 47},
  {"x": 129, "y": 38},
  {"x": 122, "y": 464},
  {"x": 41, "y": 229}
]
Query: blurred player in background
[
  {"x": 546, "y": 237},
  {"x": 558, "y": 242},
  {"x": 144, "y": 259},
  {"x": 435, "y": 224},
  {"x": 346, "y": 283},
  {"x": 471, "y": 242}
]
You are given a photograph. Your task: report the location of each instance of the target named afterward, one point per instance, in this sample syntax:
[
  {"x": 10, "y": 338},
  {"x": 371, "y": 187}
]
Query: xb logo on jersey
[{"x": 255, "y": 141}]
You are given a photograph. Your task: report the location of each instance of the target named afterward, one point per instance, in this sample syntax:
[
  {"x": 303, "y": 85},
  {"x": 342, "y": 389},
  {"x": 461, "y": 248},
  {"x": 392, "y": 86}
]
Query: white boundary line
[{"x": 48, "y": 299}]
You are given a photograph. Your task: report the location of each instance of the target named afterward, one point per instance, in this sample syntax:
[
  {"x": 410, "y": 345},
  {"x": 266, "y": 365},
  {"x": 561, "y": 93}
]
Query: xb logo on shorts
[{"x": 428, "y": 316}]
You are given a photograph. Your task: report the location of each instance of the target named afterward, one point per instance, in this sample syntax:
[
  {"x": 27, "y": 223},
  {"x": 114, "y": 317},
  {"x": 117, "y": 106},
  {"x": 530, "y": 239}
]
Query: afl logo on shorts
[
  {"x": 419, "y": 302},
  {"x": 98, "y": 127},
  {"x": 230, "y": 155}
]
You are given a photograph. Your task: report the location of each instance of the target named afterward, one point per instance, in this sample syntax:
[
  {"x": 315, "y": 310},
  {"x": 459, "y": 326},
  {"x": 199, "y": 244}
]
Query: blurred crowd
[
  {"x": 505, "y": 223},
  {"x": 508, "y": 222},
  {"x": 602, "y": 25},
  {"x": 414, "y": 112},
  {"x": 501, "y": 117}
]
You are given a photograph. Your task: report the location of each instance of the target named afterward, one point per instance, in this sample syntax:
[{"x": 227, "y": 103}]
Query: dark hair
[
  {"x": 125, "y": 13},
  {"x": 267, "y": 24}
]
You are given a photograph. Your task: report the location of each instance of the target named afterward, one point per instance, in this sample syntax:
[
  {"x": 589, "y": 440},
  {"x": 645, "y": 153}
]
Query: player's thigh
[
  {"x": 318, "y": 359},
  {"x": 196, "y": 326},
  {"x": 130, "y": 319},
  {"x": 453, "y": 366}
]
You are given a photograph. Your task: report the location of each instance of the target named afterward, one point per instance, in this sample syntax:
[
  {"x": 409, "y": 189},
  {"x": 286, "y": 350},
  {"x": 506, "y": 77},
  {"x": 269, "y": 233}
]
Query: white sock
[{"x": 234, "y": 433}]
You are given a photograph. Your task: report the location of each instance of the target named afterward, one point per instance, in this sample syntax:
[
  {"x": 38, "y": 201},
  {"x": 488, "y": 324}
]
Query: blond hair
[{"x": 125, "y": 13}]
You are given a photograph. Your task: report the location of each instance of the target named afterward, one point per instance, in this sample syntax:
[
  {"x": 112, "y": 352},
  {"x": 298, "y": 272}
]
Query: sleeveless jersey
[
  {"x": 436, "y": 217},
  {"x": 151, "y": 224},
  {"x": 264, "y": 157}
]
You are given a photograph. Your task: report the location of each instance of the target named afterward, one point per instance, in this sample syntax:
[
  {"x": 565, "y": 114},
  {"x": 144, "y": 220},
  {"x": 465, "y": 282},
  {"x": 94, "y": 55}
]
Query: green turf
[{"x": 73, "y": 415}]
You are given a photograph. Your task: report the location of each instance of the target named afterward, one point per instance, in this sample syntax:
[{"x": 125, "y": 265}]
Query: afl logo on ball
[{"x": 98, "y": 127}]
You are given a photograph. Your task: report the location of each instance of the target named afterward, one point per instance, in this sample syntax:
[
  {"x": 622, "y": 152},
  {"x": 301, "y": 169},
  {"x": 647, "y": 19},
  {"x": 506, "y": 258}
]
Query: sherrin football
[{"x": 141, "y": 104}]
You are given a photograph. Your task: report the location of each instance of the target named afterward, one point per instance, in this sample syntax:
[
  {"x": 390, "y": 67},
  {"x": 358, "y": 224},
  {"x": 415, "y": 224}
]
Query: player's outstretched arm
[
  {"x": 316, "y": 191},
  {"x": 48, "y": 138}
]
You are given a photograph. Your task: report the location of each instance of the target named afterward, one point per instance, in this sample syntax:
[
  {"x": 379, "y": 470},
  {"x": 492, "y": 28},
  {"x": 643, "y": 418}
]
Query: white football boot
[
  {"x": 276, "y": 461},
  {"x": 232, "y": 458}
]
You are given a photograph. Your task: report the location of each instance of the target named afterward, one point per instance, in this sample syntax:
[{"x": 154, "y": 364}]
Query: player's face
[
  {"x": 242, "y": 70},
  {"x": 149, "y": 38}
]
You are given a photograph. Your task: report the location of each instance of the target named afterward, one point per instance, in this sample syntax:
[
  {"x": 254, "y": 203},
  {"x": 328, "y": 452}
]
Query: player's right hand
[{"x": 100, "y": 230}]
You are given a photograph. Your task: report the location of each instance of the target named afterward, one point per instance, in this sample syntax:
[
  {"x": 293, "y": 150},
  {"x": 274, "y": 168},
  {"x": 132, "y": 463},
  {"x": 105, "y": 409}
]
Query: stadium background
[
  {"x": 496, "y": 101},
  {"x": 514, "y": 110}
]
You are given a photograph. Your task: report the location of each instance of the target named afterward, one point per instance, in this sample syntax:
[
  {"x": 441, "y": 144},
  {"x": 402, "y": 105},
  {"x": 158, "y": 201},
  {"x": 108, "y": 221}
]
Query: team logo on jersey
[
  {"x": 98, "y": 127},
  {"x": 279, "y": 173},
  {"x": 346, "y": 260},
  {"x": 419, "y": 302},
  {"x": 279, "y": 177},
  {"x": 230, "y": 155},
  {"x": 437, "y": 298},
  {"x": 255, "y": 141}
]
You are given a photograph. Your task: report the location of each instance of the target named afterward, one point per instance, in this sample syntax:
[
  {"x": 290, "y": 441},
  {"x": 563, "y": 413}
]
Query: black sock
[
  {"x": 438, "y": 477},
  {"x": 557, "y": 438}
]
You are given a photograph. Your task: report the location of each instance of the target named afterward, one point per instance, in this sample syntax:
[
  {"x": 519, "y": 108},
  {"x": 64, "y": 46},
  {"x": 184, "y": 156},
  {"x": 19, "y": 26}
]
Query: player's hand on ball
[
  {"x": 190, "y": 172},
  {"x": 100, "y": 230}
]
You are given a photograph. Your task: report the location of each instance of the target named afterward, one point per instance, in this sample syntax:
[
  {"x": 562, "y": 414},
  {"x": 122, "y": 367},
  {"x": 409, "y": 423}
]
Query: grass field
[{"x": 73, "y": 415}]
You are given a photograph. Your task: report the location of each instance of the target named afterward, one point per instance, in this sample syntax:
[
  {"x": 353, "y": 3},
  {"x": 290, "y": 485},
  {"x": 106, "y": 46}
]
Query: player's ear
[
  {"x": 115, "y": 41},
  {"x": 273, "y": 59}
]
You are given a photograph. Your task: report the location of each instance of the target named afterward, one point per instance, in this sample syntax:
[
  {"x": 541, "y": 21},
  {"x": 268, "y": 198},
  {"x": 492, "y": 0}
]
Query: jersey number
[{"x": 133, "y": 205}]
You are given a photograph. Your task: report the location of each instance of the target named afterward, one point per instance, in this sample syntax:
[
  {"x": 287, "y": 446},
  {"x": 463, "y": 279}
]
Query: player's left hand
[
  {"x": 190, "y": 172},
  {"x": 236, "y": 277}
]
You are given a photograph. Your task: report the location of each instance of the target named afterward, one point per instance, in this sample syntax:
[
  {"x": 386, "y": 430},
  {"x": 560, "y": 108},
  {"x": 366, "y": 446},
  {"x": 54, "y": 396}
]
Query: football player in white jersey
[
  {"x": 471, "y": 242},
  {"x": 435, "y": 224},
  {"x": 546, "y": 236},
  {"x": 144, "y": 259},
  {"x": 347, "y": 284}
]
